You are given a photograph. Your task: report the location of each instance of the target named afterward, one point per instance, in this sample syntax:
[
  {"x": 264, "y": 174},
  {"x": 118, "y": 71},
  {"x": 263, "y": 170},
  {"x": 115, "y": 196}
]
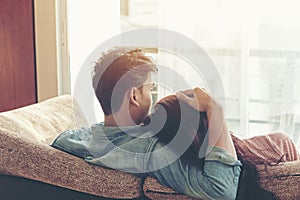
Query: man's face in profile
[{"x": 146, "y": 98}]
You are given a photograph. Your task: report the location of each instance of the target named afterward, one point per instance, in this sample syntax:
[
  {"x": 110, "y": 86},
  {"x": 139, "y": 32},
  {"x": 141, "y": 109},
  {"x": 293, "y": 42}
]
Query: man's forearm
[
  {"x": 217, "y": 179},
  {"x": 218, "y": 134}
]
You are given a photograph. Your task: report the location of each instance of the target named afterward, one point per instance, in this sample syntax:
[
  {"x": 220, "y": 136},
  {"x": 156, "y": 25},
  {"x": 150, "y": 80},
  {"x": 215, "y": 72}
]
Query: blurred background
[{"x": 254, "y": 44}]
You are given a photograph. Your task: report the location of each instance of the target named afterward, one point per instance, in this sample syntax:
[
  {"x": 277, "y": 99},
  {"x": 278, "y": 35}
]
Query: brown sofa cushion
[
  {"x": 25, "y": 135},
  {"x": 282, "y": 179},
  {"x": 154, "y": 190},
  {"x": 276, "y": 160}
]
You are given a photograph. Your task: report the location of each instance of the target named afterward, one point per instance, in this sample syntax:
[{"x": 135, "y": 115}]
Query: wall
[{"x": 46, "y": 56}]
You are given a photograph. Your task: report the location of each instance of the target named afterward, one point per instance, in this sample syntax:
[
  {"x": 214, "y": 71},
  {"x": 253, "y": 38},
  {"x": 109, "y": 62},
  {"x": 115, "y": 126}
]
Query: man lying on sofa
[{"x": 122, "y": 84}]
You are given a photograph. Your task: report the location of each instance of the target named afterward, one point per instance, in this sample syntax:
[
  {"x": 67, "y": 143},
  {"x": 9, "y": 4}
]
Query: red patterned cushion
[{"x": 269, "y": 149}]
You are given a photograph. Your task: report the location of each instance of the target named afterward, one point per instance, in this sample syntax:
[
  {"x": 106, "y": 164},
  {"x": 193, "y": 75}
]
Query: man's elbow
[
  {"x": 220, "y": 189},
  {"x": 224, "y": 194}
]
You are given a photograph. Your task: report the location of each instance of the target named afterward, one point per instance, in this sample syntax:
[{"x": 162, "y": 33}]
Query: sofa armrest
[
  {"x": 281, "y": 169},
  {"x": 282, "y": 179}
]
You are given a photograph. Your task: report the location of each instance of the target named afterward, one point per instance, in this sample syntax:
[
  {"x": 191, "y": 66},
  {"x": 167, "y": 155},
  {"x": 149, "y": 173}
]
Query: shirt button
[{"x": 236, "y": 170}]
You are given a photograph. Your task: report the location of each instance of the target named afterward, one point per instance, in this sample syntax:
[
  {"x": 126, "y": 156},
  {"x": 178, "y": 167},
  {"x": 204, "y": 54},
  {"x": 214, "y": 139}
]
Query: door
[{"x": 17, "y": 57}]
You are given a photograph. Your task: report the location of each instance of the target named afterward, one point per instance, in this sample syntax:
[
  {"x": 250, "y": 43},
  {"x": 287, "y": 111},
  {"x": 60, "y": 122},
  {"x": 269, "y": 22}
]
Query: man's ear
[{"x": 134, "y": 96}]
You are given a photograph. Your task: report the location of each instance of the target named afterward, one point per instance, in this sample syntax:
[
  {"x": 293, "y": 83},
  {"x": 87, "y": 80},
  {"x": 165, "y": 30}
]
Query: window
[
  {"x": 89, "y": 23},
  {"x": 255, "y": 46}
]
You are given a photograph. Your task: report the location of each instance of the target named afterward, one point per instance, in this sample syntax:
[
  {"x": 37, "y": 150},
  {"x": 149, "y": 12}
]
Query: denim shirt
[{"x": 134, "y": 150}]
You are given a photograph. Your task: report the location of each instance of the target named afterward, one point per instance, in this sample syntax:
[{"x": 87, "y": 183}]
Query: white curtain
[
  {"x": 90, "y": 23},
  {"x": 255, "y": 46}
]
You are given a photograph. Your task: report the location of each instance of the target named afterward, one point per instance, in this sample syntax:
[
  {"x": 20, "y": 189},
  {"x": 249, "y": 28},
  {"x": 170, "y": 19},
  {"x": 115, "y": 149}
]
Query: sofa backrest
[
  {"x": 42, "y": 122},
  {"x": 25, "y": 135}
]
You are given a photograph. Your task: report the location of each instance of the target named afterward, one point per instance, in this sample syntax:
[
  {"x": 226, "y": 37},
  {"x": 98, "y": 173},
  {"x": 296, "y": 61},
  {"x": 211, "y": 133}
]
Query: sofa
[{"x": 31, "y": 169}]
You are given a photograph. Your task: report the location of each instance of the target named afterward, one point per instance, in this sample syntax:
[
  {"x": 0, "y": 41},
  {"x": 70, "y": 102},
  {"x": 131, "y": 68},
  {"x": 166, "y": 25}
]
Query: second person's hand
[{"x": 197, "y": 98}]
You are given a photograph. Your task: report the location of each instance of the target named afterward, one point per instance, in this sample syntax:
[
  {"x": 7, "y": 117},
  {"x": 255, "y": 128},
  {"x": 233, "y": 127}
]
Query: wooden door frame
[{"x": 51, "y": 45}]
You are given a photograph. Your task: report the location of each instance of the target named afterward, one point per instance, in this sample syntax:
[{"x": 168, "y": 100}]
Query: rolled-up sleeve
[{"x": 218, "y": 179}]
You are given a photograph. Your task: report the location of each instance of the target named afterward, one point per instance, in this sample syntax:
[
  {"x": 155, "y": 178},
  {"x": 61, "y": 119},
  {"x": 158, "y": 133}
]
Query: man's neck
[{"x": 115, "y": 120}]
